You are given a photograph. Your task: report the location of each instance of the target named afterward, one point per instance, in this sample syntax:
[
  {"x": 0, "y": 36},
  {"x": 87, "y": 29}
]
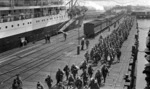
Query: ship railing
[
  {"x": 28, "y": 3},
  {"x": 23, "y": 16}
]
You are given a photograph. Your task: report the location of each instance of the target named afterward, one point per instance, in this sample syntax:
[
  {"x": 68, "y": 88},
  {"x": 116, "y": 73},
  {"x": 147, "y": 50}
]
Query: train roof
[{"x": 96, "y": 22}]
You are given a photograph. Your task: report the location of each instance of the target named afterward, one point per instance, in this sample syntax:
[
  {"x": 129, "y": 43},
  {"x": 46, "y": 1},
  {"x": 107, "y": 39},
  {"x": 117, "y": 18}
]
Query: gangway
[{"x": 66, "y": 25}]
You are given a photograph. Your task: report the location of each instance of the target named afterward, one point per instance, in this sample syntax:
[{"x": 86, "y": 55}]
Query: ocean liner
[{"x": 31, "y": 20}]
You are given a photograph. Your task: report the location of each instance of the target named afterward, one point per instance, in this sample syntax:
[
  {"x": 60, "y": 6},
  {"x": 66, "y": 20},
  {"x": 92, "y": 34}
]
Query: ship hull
[{"x": 12, "y": 42}]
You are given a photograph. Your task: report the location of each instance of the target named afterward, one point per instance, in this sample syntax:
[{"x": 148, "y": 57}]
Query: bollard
[{"x": 78, "y": 49}]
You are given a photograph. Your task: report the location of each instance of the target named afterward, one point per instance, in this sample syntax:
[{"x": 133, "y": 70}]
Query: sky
[{"x": 99, "y": 4}]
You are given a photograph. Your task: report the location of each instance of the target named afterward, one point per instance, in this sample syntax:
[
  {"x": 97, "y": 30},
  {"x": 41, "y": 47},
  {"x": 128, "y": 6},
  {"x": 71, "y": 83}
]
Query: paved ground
[{"x": 36, "y": 61}]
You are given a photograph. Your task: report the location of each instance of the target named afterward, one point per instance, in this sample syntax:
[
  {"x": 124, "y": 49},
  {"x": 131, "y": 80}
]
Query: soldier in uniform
[
  {"x": 83, "y": 66},
  {"x": 39, "y": 86},
  {"x": 87, "y": 56},
  {"x": 15, "y": 84},
  {"x": 85, "y": 78},
  {"x": 59, "y": 76},
  {"x": 74, "y": 71},
  {"x": 98, "y": 77},
  {"x": 70, "y": 81},
  {"x": 104, "y": 72},
  {"x": 93, "y": 84},
  {"x": 66, "y": 70},
  {"x": 49, "y": 81},
  {"x": 19, "y": 81},
  {"x": 78, "y": 83},
  {"x": 90, "y": 71}
]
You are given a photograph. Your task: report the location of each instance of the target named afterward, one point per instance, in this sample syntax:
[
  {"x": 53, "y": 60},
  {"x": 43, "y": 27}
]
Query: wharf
[{"x": 36, "y": 61}]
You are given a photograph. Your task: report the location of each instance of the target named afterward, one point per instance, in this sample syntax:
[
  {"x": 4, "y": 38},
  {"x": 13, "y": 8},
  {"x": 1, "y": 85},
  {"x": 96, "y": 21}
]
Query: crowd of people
[
  {"x": 108, "y": 48},
  {"x": 105, "y": 51}
]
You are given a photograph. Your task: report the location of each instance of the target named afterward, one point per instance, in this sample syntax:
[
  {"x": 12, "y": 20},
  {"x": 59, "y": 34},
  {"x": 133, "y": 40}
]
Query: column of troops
[{"x": 105, "y": 51}]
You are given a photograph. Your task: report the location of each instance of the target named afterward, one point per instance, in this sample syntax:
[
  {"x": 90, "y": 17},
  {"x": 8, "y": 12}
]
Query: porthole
[
  {"x": 28, "y": 22},
  {"x": 12, "y": 25},
  {"x": 6, "y": 27},
  {"x": 23, "y": 23},
  {"x": 18, "y": 24}
]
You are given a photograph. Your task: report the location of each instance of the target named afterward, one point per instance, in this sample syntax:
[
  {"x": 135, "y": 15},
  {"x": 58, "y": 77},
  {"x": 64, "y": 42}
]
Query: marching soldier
[
  {"x": 49, "y": 81},
  {"x": 18, "y": 81},
  {"x": 83, "y": 66},
  {"x": 104, "y": 72},
  {"x": 93, "y": 84},
  {"x": 87, "y": 56},
  {"x": 78, "y": 83},
  {"x": 74, "y": 71},
  {"x": 39, "y": 86},
  {"x": 98, "y": 77},
  {"x": 66, "y": 70},
  {"x": 70, "y": 81},
  {"x": 59, "y": 76},
  {"x": 85, "y": 78},
  {"x": 90, "y": 71},
  {"x": 15, "y": 84}
]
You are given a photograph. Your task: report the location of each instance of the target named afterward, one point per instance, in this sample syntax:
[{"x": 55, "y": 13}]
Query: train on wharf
[
  {"x": 94, "y": 27},
  {"x": 143, "y": 14},
  {"x": 30, "y": 21}
]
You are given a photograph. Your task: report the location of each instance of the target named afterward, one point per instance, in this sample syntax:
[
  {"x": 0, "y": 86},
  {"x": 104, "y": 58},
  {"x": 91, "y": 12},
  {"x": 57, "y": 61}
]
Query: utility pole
[{"x": 78, "y": 47}]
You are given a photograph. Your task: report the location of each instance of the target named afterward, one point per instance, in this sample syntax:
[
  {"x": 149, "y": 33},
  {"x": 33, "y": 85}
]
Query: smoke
[{"x": 94, "y": 5}]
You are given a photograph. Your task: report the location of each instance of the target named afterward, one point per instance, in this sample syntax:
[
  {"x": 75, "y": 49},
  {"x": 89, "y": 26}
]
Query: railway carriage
[{"x": 94, "y": 27}]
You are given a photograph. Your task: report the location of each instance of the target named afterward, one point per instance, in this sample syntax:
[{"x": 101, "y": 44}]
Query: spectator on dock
[
  {"x": 48, "y": 38},
  {"x": 65, "y": 35},
  {"x": 82, "y": 44},
  {"x": 87, "y": 42}
]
